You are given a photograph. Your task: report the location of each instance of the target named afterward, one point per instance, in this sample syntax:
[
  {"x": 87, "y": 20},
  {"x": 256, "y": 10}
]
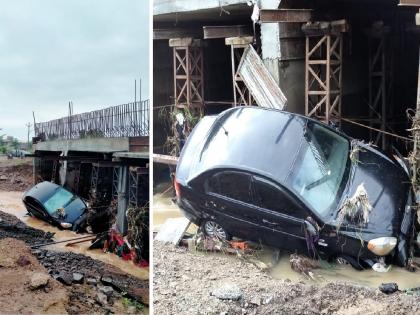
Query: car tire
[
  {"x": 214, "y": 229},
  {"x": 352, "y": 261}
]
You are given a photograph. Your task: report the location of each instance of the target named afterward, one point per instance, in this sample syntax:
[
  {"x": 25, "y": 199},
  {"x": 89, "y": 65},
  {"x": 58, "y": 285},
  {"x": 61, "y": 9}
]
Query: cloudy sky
[{"x": 53, "y": 52}]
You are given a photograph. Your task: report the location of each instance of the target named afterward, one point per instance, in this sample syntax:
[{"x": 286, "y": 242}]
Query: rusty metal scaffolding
[
  {"x": 323, "y": 77},
  {"x": 188, "y": 73},
  {"x": 241, "y": 94},
  {"x": 128, "y": 120}
]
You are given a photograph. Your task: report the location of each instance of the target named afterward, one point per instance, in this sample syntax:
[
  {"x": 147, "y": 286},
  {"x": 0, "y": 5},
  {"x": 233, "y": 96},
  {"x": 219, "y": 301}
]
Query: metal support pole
[{"x": 122, "y": 224}]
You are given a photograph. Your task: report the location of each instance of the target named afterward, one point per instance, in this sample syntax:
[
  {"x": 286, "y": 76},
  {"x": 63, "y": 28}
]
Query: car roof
[
  {"x": 42, "y": 191},
  {"x": 264, "y": 141}
]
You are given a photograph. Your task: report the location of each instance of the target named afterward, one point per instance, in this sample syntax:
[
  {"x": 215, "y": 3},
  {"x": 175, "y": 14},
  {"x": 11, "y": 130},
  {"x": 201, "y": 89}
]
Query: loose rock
[
  {"x": 39, "y": 280},
  {"x": 64, "y": 278},
  {"x": 91, "y": 281},
  {"x": 101, "y": 298},
  {"x": 77, "y": 277},
  {"x": 227, "y": 291},
  {"x": 106, "y": 290}
]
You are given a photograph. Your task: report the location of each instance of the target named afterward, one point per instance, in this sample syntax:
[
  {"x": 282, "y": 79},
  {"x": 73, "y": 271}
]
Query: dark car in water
[
  {"x": 56, "y": 205},
  {"x": 291, "y": 182}
]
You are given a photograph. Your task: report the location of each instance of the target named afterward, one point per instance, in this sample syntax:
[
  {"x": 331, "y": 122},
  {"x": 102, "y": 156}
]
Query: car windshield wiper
[{"x": 318, "y": 182}]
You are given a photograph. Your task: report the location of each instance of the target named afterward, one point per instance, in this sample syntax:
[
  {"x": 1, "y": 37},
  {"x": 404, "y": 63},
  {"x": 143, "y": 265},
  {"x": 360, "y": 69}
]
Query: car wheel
[
  {"x": 350, "y": 260},
  {"x": 214, "y": 229}
]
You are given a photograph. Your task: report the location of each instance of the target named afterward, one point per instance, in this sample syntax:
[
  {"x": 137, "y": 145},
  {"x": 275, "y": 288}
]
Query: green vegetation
[
  {"x": 127, "y": 302},
  {"x": 8, "y": 143}
]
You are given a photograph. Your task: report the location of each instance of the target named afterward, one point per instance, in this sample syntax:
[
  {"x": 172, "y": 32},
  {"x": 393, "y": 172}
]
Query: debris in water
[
  {"x": 303, "y": 265},
  {"x": 138, "y": 231},
  {"x": 356, "y": 208}
]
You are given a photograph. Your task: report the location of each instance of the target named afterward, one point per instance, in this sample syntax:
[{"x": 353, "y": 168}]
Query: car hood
[
  {"x": 73, "y": 211},
  {"x": 387, "y": 186}
]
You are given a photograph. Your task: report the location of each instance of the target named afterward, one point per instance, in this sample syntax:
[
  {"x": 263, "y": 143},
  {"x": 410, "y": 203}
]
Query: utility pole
[
  {"x": 140, "y": 90},
  {"x": 135, "y": 91},
  {"x": 28, "y": 125}
]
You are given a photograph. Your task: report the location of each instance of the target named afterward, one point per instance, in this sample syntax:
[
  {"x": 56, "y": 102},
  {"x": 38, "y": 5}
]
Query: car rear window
[
  {"x": 234, "y": 185},
  {"x": 275, "y": 199},
  {"x": 59, "y": 199}
]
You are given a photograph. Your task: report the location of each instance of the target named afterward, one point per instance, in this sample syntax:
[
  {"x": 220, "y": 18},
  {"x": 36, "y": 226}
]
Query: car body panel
[{"x": 266, "y": 144}]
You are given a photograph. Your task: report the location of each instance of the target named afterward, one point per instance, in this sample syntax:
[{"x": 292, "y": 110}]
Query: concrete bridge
[{"x": 102, "y": 156}]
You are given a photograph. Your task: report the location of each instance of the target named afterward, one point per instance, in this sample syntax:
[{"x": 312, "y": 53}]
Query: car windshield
[
  {"x": 59, "y": 199},
  {"x": 320, "y": 167}
]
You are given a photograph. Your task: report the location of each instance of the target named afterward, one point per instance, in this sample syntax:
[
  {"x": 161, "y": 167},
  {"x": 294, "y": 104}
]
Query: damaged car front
[
  {"x": 56, "y": 205},
  {"x": 375, "y": 219},
  {"x": 329, "y": 196}
]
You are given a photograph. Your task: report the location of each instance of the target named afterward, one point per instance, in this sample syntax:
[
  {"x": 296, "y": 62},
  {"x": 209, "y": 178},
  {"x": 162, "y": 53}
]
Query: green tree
[{"x": 15, "y": 144}]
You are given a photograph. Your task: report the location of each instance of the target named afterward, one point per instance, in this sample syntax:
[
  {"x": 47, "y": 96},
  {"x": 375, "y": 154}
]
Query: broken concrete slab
[
  {"x": 259, "y": 81},
  {"x": 172, "y": 230}
]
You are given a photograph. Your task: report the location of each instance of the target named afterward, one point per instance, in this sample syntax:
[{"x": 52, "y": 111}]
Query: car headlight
[
  {"x": 66, "y": 225},
  {"x": 382, "y": 246}
]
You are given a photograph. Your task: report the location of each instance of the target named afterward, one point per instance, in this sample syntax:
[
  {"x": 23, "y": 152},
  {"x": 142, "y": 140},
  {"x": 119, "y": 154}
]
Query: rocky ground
[
  {"x": 196, "y": 283},
  {"x": 15, "y": 174},
  {"x": 39, "y": 281}
]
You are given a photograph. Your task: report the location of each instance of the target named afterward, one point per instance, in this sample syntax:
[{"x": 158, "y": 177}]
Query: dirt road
[{"x": 196, "y": 283}]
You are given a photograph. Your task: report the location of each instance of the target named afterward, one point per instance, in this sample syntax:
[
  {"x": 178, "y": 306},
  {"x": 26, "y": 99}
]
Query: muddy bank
[
  {"x": 12, "y": 227},
  {"x": 25, "y": 286},
  {"x": 91, "y": 285},
  {"x": 16, "y": 174},
  {"x": 196, "y": 283},
  {"x": 62, "y": 265}
]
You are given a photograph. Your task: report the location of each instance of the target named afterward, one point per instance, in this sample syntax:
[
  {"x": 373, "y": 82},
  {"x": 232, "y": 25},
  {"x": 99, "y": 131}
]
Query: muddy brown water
[
  {"x": 11, "y": 202},
  {"x": 164, "y": 208}
]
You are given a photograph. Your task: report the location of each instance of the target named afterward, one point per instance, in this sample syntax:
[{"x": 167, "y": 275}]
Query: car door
[
  {"x": 280, "y": 215},
  {"x": 229, "y": 196}
]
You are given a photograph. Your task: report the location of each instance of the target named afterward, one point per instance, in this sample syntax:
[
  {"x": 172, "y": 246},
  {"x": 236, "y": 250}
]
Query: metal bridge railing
[{"x": 128, "y": 120}]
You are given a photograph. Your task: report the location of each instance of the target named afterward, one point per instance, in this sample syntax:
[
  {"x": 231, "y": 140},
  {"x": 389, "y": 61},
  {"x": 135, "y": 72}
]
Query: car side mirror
[{"x": 311, "y": 228}]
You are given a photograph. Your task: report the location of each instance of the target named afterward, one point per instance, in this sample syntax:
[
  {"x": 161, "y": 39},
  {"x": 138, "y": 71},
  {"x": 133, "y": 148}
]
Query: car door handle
[{"x": 269, "y": 222}]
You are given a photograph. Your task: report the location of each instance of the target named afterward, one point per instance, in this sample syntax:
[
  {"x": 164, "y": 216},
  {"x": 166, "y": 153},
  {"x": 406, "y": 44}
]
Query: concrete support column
[
  {"x": 283, "y": 58},
  {"x": 122, "y": 223},
  {"x": 270, "y": 42}
]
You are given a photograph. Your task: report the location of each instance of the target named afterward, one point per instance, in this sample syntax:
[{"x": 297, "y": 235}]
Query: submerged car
[
  {"x": 56, "y": 205},
  {"x": 291, "y": 182}
]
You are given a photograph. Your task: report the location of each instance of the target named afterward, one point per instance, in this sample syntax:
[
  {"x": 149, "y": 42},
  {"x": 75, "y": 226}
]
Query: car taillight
[{"x": 177, "y": 188}]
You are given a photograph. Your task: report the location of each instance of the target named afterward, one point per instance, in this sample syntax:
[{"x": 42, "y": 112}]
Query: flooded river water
[
  {"x": 164, "y": 208},
  {"x": 11, "y": 202}
]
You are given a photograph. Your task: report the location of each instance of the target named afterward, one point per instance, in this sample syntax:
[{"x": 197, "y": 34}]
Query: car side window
[
  {"x": 234, "y": 185},
  {"x": 273, "y": 198}
]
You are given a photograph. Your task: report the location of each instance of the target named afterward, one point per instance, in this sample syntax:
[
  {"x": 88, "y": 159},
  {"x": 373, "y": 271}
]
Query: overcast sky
[{"x": 86, "y": 51}]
